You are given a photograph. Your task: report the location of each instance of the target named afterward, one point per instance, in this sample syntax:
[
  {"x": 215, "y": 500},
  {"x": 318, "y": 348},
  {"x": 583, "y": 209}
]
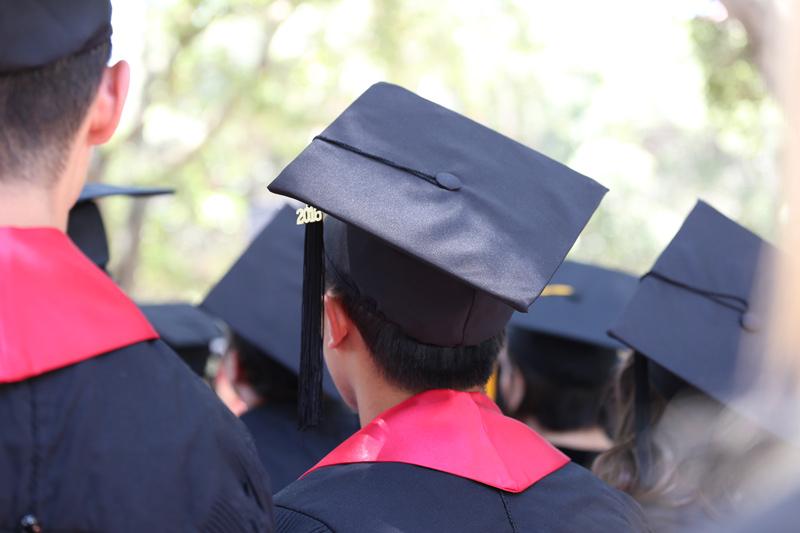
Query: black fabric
[
  {"x": 692, "y": 334},
  {"x": 34, "y": 33},
  {"x": 95, "y": 190},
  {"x": 417, "y": 297},
  {"x": 409, "y": 499},
  {"x": 86, "y": 229},
  {"x": 260, "y": 296},
  {"x": 285, "y": 451},
  {"x": 186, "y": 329},
  {"x": 182, "y": 325},
  {"x": 498, "y": 218},
  {"x": 85, "y": 224},
  {"x": 560, "y": 360},
  {"x": 127, "y": 441},
  {"x": 581, "y": 303}
]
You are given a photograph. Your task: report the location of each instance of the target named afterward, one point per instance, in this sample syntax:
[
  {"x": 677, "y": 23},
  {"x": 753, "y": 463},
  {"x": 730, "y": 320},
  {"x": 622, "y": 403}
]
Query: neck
[
  {"x": 29, "y": 206},
  {"x": 378, "y": 400},
  {"x": 385, "y": 397},
  {"x": 592, "y": 439}
]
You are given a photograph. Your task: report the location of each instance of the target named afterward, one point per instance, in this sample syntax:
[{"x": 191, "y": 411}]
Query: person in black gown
[
  {"x": 259, "y": 300},
  {"x": 434, "y": 230},
  {"x": 697, "y": 329},
  {"x": 186, "y": 329},
  {"x": 103, "y": 428},
  {"x": 557, "y": 372}
]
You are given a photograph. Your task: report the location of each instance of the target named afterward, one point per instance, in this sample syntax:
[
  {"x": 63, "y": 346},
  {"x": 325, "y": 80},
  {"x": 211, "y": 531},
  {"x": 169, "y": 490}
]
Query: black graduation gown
[
  {"x": 449, "y": 461},
  {"x": 406, "y": 498},
  {"x": 102, "y": 426},
  {"x": 128, "y": 441},
  {"x": 286, "y": 452}
]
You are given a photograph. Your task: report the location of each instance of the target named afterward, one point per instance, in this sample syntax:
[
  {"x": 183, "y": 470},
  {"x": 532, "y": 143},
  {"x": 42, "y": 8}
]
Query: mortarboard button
[
  {"x": 448, "y": 181},
  {"x": 751, "y": 322}
]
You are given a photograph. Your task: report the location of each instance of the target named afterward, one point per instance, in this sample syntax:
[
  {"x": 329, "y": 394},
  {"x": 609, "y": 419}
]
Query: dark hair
[
  {"x": 560, "y": 407},
  {"x": 567, "y": 382},
  {"x": 408, "y": 363},
  {"x": 40, "y": 111},
  {"x": 271, "y": 380}
]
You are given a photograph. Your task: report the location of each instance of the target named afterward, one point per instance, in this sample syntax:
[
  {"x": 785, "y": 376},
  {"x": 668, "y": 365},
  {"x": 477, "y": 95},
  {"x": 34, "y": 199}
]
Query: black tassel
[
  {"x": 310, "y": 382},
  {"x": 641, "y": 414}
]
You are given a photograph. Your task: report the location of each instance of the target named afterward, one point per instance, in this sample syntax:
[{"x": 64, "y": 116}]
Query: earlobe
[{"x": 109, "y": 102}]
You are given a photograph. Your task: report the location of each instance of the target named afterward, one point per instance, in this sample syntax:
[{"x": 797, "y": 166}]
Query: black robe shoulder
[
  {"x": 285, "y": 451},
  {"x": 406, "y": 498},
  {"x": 127, "y": 441}
]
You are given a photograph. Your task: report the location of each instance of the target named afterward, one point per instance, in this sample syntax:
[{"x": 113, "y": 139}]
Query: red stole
[
  {"x": 460, "y": 433},
  {"x": 56, "y": 307}
]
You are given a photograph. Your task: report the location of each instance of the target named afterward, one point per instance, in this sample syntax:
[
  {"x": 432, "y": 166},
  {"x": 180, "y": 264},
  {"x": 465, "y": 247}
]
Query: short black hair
[
  {"x": 407, "y": 363},
  {"x": 567, "y": 382},
  {"x": 40, "y": 111},
  {"x": 272, "y": 381},
  {"x": 562, "y": 407}
]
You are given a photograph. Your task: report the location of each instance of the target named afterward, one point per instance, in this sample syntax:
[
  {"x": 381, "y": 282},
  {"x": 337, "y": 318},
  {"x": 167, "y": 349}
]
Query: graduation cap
[
  {"x": 85, "y": 225},
  {"x": 446, "y": 225},
  {"x": 260, "y": 296},
  {"x": 186, "y": 329},
  {"x": 35, "y": 33},
  {"x": 564, "y": 335},
  {"x": 693, "y": 318}
]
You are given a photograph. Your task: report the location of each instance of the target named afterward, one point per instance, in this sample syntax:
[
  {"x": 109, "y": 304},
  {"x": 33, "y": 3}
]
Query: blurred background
[{"x": 662, "y": 102}]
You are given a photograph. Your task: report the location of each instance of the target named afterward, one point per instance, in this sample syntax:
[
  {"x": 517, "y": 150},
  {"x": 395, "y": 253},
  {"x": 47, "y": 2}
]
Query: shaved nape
[{"x": 41, "y": 110}]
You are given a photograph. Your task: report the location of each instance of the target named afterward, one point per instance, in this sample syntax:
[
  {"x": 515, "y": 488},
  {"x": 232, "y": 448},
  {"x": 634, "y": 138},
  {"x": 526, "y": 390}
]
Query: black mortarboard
[
  {"x": 260, "y": 296},
  {"x": 581, "y": 303},
  {"x": 186, "y": 329},
  {"x": 694, "y": 314},
  {"x": 564, "y": 335},
  {"x": 447, "y": 225},
  {"x": 85, "y": 226},
  {"x": 35, "y": 33}
]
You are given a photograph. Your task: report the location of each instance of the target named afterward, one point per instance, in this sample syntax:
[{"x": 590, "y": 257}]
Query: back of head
[
  {"x": 566, "y": 381},
  {"x": 694, "y": 473},
  {"x": 269, "y": 379},
  {"x": 406, "y": 362},
  {"x": 41, "y": 110}
]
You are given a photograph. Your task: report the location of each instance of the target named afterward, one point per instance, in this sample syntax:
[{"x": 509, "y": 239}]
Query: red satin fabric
[
  {"x": 460, "y": 433},
  {"x": 56, "y": 307}
]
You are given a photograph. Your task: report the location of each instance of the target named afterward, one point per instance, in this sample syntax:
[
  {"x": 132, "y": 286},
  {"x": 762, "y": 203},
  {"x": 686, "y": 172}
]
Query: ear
[
  {"x": 106, "y": 110},
  {"x": 337, "y": 322}
]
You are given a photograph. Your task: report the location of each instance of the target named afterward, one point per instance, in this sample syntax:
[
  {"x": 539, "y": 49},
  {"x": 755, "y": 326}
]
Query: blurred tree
[{"x": 661, "y": 111}]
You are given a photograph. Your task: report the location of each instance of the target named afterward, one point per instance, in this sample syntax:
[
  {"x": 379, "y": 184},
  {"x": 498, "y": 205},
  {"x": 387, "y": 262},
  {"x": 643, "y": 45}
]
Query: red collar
[
  {"x": 460, "y": 433},
  {"x": 56, "y": 307}
]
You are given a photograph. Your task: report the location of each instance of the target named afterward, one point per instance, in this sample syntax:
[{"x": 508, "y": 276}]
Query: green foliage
[{"x": 226, "y": 92}]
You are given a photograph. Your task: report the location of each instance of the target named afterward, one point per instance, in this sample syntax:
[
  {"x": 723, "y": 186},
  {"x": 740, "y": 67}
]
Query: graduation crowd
[{"x": 402, "y": 348}]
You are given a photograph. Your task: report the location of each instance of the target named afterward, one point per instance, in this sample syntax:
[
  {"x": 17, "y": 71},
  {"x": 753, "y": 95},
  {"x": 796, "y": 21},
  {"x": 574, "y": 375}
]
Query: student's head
[
  {"x": 257, "y": 376},
  {"x": 556, "y": 383},
  {"x": 54, "y": 110},
  {"x": 358, "y": 334},
  {"x": 444, "y": 225},
  {"x": 693, "y": 466}
]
